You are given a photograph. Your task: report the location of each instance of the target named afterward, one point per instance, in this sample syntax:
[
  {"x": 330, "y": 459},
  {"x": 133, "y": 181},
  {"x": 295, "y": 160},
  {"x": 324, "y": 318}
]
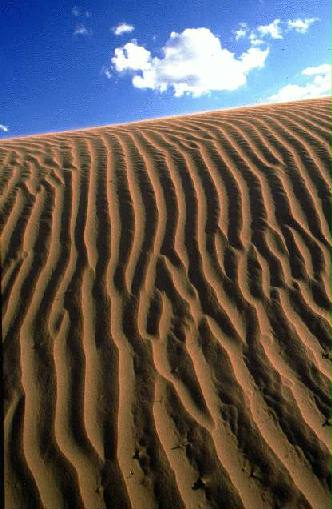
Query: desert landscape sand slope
[{"x": 166, "y": 311}]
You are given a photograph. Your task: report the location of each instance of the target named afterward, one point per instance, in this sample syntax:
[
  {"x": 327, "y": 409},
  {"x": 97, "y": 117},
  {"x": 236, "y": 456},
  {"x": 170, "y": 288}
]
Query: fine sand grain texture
[{"x": 166, "y": 313}]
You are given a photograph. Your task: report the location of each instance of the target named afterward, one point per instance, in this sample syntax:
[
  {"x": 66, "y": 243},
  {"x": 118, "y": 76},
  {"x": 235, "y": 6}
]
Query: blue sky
[{"x": 68, "y": 65}]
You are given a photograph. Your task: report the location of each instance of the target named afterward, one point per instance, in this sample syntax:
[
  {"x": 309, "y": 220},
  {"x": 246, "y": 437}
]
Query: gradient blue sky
[{"x": 53, "y": 79}]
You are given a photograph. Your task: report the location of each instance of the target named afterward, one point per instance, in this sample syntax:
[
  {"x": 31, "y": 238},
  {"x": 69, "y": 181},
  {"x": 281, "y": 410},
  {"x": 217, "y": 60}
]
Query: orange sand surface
[{"x": 166, "y": 311}]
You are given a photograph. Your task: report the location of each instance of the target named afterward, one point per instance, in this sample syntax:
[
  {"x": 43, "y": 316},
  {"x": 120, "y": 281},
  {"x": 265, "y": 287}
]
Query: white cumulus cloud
[
  {"x": 301, "y": 25},
  {"x": 132, "y": 57},
  {"x": 318, "y": 84},
  {"x": 193, "y": 62},
  {"x": 4, "y": 128},
  {"x": 273, "y": 29},
  {"x": 123, "y": 28}
]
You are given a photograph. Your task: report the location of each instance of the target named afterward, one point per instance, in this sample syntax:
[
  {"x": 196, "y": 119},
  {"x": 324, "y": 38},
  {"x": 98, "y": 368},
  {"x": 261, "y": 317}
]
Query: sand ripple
[{"x": 166, "y": 313}]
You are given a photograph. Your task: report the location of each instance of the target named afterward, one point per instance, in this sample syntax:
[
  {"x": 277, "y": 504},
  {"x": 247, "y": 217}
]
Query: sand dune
[{"x": 166, "y": 313}]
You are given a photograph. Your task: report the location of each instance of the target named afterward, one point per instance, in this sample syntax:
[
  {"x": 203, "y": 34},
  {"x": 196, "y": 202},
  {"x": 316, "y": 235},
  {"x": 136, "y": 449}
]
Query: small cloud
[
  {"x": 254, "y": 39},
  {"x": 193, "y": 63},
  {"x": 318, "y": 84},
  {"x": 301, "y": 25},
  {"x": 241, "y": 32},
  {"x": 320, "y": 69},
  {"x": 123, "y": 28},
  {"x": 106, "y": 70},
  {"x": 77, "y": 12},
  {"x": 81, "y": 30},
  {"x": 4, "y": 128},
  {"x": 272, "y": 30}
]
